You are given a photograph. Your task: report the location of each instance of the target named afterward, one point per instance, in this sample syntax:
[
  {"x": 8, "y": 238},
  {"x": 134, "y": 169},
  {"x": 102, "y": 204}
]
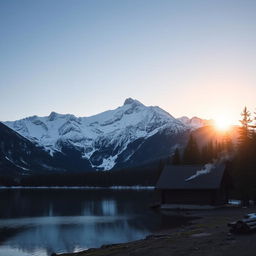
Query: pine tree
[
  {"x": 191, "y": 153},
  {"x": 176, "y": 157},
  {"x": 244, "y": 133},
  {"x": 244, "y": 173},
  {"x": 160, "y": 167},
  {"x": 207, "y": 153},
  {"x": 254, "y": 125},
  {"x": 228, "y": 144},
  {"x": 204, "y": 154}
]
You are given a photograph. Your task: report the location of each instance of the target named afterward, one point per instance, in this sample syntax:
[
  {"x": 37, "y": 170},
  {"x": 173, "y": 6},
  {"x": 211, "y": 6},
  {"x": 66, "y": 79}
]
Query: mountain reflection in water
[{"x": 40, "y": 222}]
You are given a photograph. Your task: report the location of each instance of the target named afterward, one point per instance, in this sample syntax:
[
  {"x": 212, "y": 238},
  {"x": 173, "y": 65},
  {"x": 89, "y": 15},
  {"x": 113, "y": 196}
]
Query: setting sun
[{"x": 222, "y": 123}]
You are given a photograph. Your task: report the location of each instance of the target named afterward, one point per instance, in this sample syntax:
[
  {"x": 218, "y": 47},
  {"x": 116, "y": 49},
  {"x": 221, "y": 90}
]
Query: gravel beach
[{"x": 208, "y": 234}]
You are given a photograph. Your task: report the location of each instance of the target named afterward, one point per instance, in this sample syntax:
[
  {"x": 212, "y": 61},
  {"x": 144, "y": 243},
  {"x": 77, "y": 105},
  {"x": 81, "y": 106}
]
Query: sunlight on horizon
[{"x": 222, "y": 123}]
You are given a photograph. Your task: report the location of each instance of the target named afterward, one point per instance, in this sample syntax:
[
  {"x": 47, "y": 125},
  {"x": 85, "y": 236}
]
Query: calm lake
[{"x": 42, "y": 221}]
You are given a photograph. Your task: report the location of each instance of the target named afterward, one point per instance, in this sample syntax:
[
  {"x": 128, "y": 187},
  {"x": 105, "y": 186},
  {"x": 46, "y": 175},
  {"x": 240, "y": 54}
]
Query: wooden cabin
[{"x": 194, "y": 185}]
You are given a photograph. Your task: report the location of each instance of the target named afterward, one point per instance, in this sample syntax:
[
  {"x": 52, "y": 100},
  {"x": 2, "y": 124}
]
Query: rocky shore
[{"x": 206, "y": 235}]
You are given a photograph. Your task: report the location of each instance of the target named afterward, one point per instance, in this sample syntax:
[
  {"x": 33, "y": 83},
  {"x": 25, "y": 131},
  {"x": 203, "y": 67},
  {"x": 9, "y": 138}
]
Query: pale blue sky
[{"x": 190, "y": 57}]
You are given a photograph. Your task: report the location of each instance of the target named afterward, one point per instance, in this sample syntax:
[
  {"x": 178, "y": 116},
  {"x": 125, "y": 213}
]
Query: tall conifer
[{"x": 191, "y": 153}]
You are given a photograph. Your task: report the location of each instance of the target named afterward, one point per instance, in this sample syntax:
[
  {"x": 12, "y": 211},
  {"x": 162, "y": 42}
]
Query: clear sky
[{"x": 190, "y": 57}]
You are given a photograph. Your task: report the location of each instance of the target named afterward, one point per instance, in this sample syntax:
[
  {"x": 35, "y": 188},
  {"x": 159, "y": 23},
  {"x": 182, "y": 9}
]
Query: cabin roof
[{"x": 191, "y": 177}]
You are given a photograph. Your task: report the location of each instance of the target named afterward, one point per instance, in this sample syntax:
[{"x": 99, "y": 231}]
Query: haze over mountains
[{"x": 130, "y": 135}]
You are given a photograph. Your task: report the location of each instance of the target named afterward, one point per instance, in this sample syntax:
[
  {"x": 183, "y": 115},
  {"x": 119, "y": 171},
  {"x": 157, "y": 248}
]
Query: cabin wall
[
  {"x": 222, "y": 195},
  {"x": 198, "y": 197}
]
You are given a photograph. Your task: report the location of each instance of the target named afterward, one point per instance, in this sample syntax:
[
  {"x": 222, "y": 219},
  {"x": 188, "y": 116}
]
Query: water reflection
[
  {"x": 109, "y": 207},
  {"x": 39, "y": 222}
]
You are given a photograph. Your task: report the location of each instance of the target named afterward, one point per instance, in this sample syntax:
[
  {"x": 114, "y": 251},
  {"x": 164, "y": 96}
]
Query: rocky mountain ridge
[{"x": 111, "y": 139}]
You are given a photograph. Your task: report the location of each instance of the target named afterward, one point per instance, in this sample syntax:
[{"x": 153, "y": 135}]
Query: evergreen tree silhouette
[
  {"x": 244, "y": 133},
  {"x": 176, "y": 157},
  {"x": 191, "y": 153},
  {"x": 244, "y": 171}
]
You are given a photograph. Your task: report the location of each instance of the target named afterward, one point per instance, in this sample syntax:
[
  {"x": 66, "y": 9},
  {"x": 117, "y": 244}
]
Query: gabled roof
[{"x": 191, "y": 177}]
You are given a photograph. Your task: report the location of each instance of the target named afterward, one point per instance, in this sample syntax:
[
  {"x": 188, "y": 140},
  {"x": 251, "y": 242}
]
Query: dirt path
[{"x": 208, "y": 235}]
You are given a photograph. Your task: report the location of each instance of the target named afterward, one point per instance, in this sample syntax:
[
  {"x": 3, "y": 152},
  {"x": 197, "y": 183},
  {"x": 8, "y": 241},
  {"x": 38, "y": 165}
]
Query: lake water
[{"x": 39, "y": 222}]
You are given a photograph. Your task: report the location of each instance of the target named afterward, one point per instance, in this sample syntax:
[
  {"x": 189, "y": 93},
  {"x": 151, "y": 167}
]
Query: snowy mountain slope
[
  {"x": 21, "y": 156},
  {"x": 106, "y": 140},
  {"x": 194, "y": 122}
]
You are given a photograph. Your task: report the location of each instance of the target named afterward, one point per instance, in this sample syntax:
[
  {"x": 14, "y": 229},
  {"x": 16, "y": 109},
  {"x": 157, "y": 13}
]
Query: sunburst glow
[{"x": 222, "y": 123}]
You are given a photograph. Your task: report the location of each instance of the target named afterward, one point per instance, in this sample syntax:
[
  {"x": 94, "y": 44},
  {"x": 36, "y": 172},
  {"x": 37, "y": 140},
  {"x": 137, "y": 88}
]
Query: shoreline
[
  {"x": 81, "y": 187},
  {"x": 208, "y": 234}
]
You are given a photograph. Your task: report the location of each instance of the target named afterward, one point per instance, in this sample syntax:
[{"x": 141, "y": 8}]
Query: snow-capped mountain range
[
  {"x": 195, "y": 122},
  {"x": 109, "y": 139}
]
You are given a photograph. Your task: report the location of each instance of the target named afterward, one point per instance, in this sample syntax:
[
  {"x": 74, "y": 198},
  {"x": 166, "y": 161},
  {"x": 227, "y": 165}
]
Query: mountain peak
[
  {"x": 105, "y": 140},
  {"x": 130, "y": 101},
  {"x": 194, "y": 122},
  {"x": 53, "y": 115}
]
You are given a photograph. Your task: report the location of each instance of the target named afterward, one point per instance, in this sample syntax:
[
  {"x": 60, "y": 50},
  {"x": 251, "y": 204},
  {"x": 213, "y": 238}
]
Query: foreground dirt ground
[{"x": 207, "y": 235}]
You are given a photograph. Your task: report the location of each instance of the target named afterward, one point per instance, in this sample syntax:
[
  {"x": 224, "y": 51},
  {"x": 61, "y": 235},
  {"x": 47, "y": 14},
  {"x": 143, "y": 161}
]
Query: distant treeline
[
  {"x": 145, "y": 175},
  {"x": 193, "y": 154}
]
